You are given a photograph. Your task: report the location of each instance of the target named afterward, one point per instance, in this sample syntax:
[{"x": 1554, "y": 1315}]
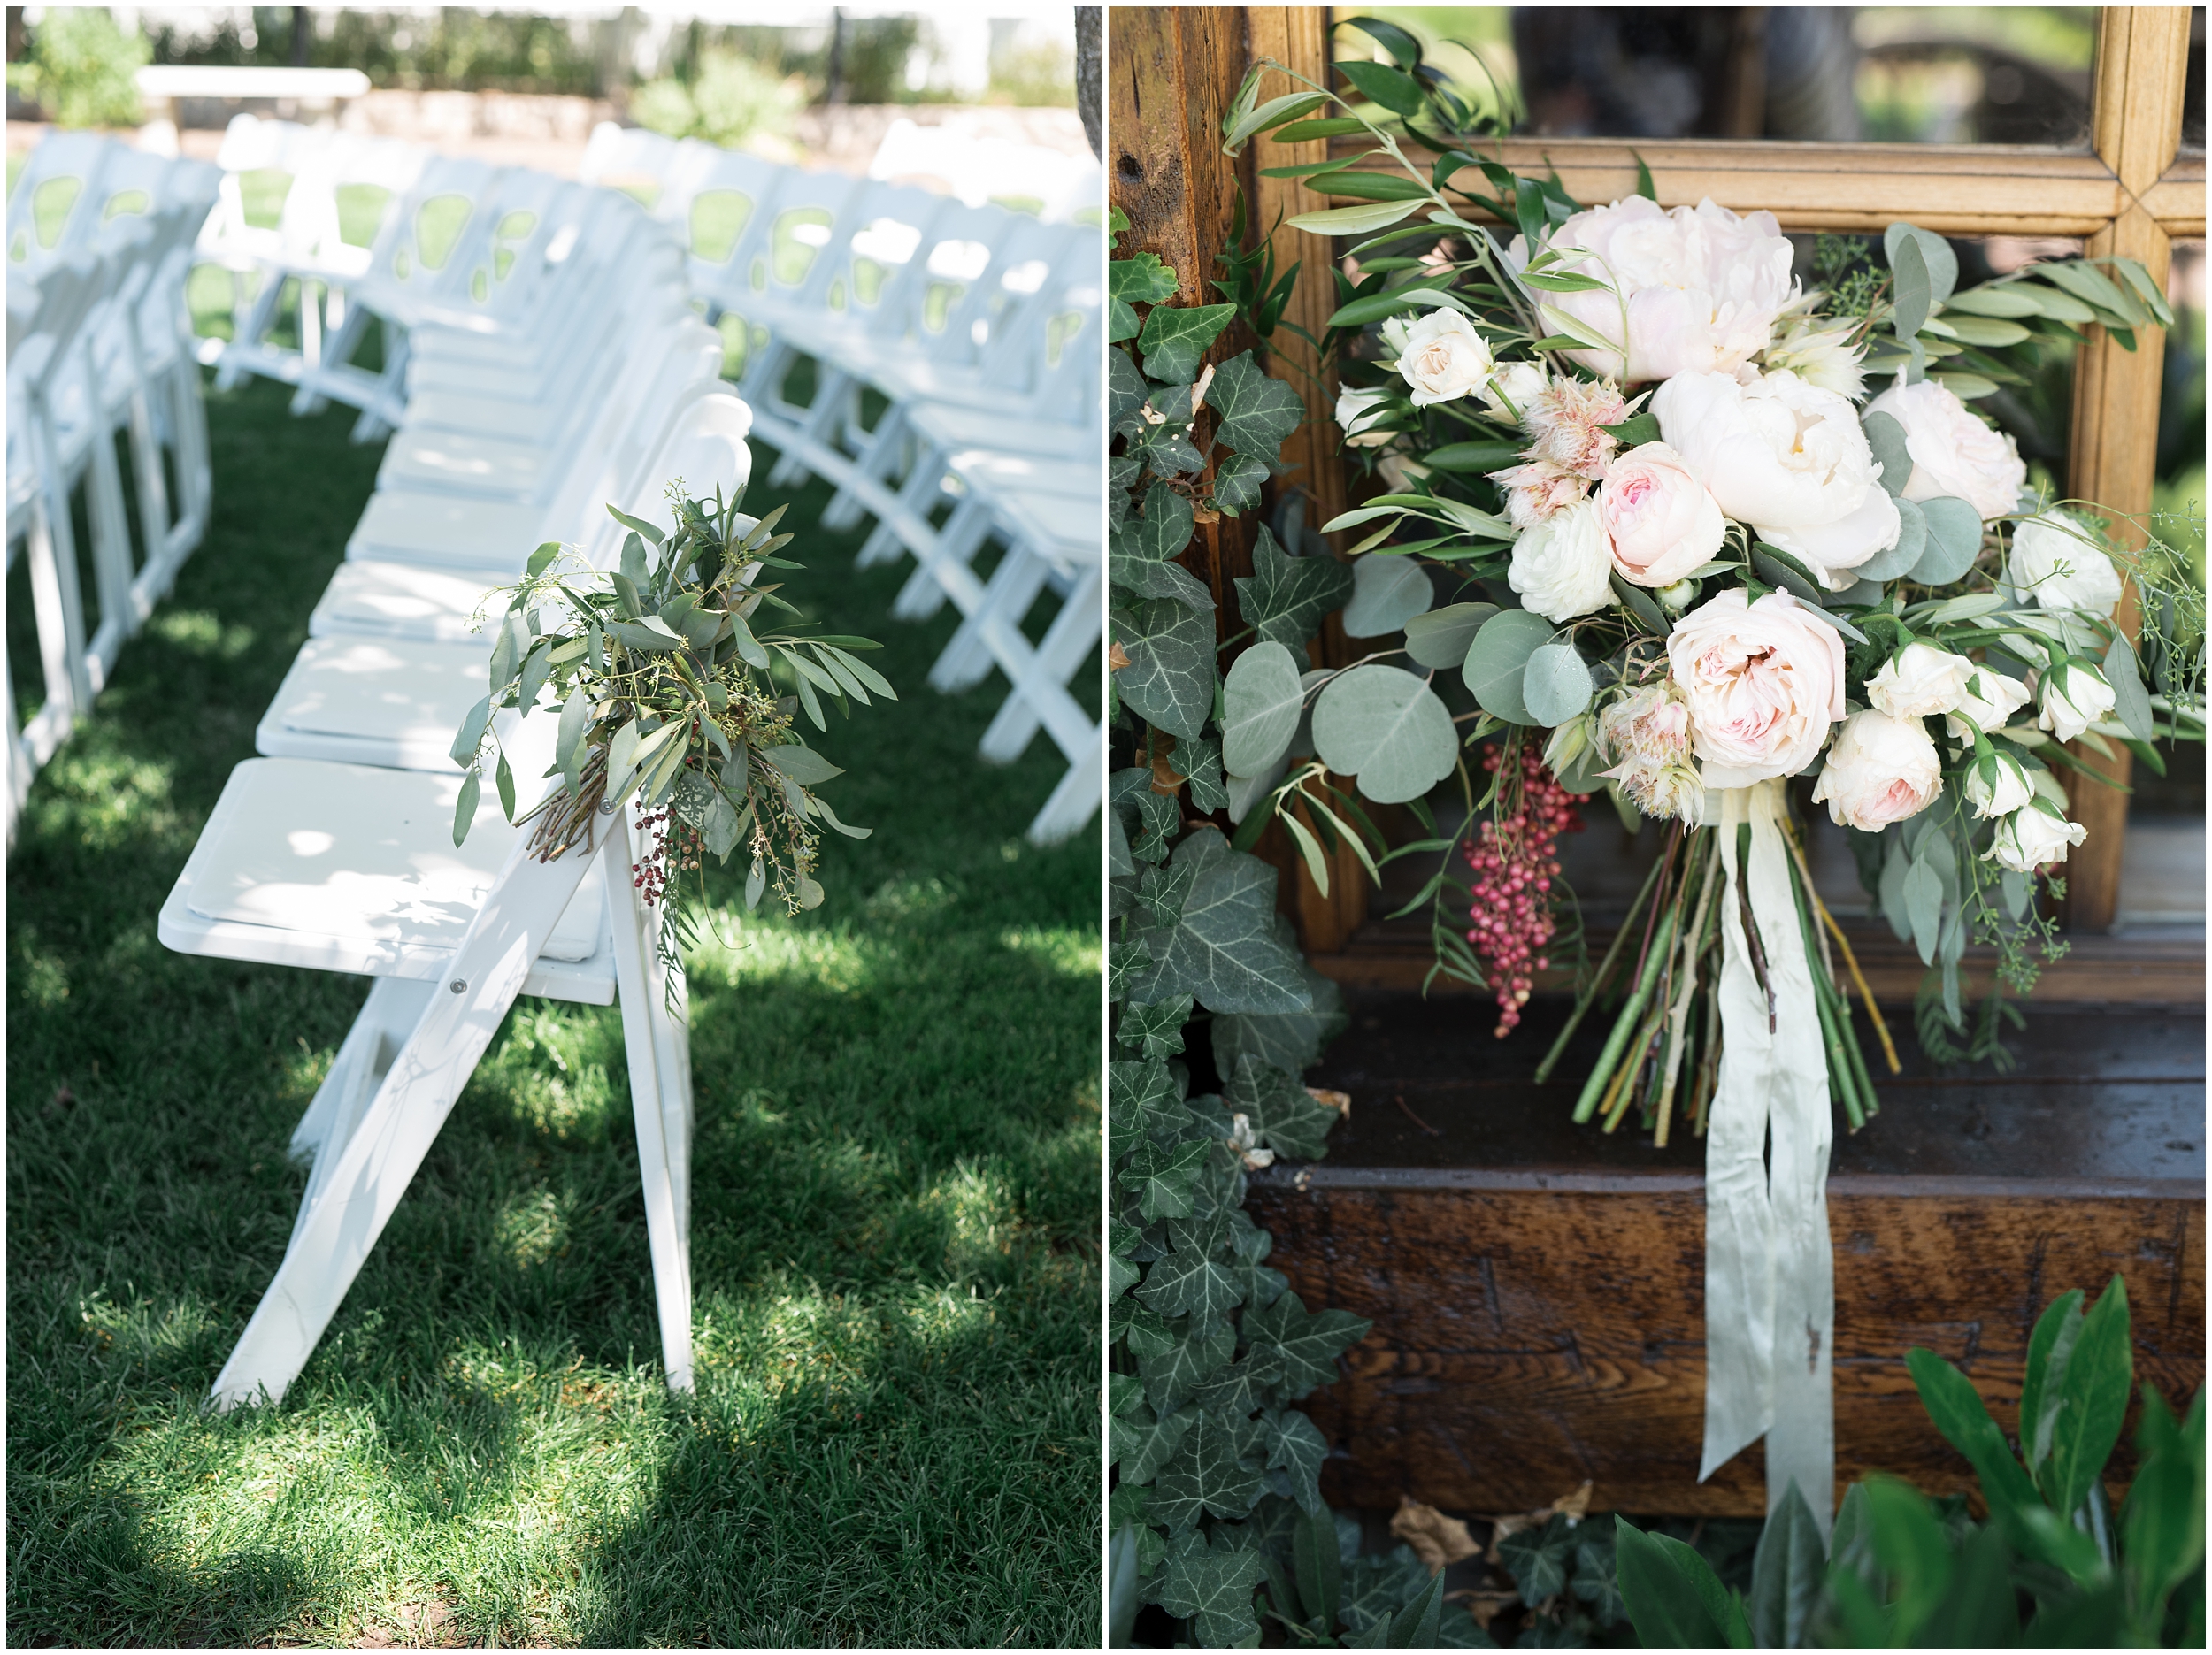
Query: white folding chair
[
  {"x": 340, "y": 867},
  {"x": 61, "y": 183}
]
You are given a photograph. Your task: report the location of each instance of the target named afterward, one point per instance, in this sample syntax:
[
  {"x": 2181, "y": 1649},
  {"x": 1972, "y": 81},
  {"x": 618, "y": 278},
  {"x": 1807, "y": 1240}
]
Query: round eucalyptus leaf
[
  {"x": 1259, "y": 708},
  {"x": 1912, "y": 539},
  {"x": 1440, "y": 639},
  {"x": 1936, "y": 257},
  {"x": 1497, "y": 658},
  {"x": 1886, "y": 438},
  {"x": 1586, "y": 774},
  {"x": 1387, "y": 592},
  {"x": 1555, "y": 685},
  {"x": 1955, "y": 536},
  {"x": 1386, "y": 727}
]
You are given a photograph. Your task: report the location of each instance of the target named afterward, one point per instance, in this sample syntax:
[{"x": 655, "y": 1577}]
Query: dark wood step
[{"x": 1537, "y": 1287}]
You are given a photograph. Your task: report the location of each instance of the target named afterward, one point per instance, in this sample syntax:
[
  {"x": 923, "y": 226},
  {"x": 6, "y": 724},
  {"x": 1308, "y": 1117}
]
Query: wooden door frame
[{"x": 2133, "y": 192}]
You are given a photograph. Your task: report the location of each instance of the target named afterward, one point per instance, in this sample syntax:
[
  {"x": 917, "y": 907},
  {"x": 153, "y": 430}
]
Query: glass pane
[
  {"x": 2192, "y": 99},
  {"x": 1908, "y": 74}
]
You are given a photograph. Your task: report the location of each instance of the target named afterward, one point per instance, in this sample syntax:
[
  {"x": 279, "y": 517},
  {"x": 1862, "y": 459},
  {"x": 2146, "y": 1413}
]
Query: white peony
[
  {"x": 1919, "y": 681},
  {"x": 1989, "y": 702},
  {"x": 1443, "y": 358},
  {"x": 2073, "y": 697},
  {"x": 2011, "y": 788},
  {"x": 1702, "y": 287},
  {"x": 1513, "y": 389},
  {"x": 2057, "y": 559},
  {"x": 1953, "y": 452},
  {"x": 1561, "y": 566},
  {"x": 1357, "y": 411},
  {"x": 1881, "y": 770},
  {"x": 1785, "y": 457},
  {"x": 2031, "y": 837}
]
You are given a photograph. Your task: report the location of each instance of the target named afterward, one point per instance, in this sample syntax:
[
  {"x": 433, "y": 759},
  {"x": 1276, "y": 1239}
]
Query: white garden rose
[
  {"x": 1989, "y": 702},
  {"x": 2011, "y": 789},
  {"x": 1663, "y": 521},
  {"x": 1919, "y": 681},
  {"x": 1881, "y": 770},
  {"x": 2056, "y": 558},
  {"x": 1562, "y": 567},
  {"x": 1785, "y": 457},
  {"x": 2072, "y": 698},
  {"x": 1357, "y": 411},
  {"x": 1443, "y": 358},
  {"x": 1763, "y": 682},
  {"x": 2032, "y": 838},
  {"x": 1953, "y": 452},
  {"x": 1703, "y": 286},
  {"x": 1513, "y": 389}
]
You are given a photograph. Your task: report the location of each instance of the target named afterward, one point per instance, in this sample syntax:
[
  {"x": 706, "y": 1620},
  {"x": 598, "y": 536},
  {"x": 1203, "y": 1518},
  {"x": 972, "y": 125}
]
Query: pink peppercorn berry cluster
[
  {"x": 651, "y": 875},
  {"x": 1514, "y": 864}
]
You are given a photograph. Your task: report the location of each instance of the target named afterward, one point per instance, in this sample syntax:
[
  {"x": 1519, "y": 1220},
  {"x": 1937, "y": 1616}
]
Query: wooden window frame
[{"x": 2133, "y": 192}]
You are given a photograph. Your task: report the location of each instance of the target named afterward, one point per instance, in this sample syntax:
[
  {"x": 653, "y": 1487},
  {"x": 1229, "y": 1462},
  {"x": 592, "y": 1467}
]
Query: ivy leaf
[
  {"x": 1176, "y": 337},
  {"x": 1238, "y": 481},
  {"x": 1296, "y": 1445},
  {"x": 1129, "y": 793},
  {"x": 1376, "y": 1585},
  {"x": 1144, "y": 279},
  {"x": 1285, "y": 1116},
  {"x": 1161, "y": 893},
  {"x": 1148, "y": 1093},
  {"x": 1200, "y": 761},
  {"x": 1168, "y": 681},
  {"x": 1256, "y": 412},
  {"x": 1283, "y": 597},
  {"x": 1121, "y": 1275},
  {"x": 1209, "y": 1475},
  {"x": 1163, "y": 1175},
  {"x": 1142, "y": 550},
  {"x": 1303, "y": 1345},
  {"x": 1291, "y": 1041},
  {"x": 1537, "y": 1559},
  {"x": 1164, "y": 447},
  {"x": 1238, "y": 1390},
  {"x": 1223, "y": 949},
  {"x": 1154, "y": 1030},
  {"x": 1140, "y": 1442},
  {"x": 1174, "y": 1369},
  {"x": 1128, "y": 959},
  {"x": 1188, "y": 1281},
  {"x": 1212, "y": 1587},
  {"x": 1125, "y": 389}
]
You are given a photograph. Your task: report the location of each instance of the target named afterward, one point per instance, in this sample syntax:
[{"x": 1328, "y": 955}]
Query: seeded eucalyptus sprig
[{"x": 670, "y": 693}]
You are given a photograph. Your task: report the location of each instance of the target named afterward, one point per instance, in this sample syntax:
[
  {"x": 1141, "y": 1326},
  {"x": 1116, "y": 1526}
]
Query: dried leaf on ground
[
  {"x": 1436, "y": 1539},
  {"x": 1341, "y": 1101},
  {"x": 1485, "y": 1606},
  {"x": 1574, "y": 1505}
]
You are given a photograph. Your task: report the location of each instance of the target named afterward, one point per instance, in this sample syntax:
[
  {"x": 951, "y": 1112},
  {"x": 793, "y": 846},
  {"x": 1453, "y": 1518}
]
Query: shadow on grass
[{"x": 895, "y": 1191}]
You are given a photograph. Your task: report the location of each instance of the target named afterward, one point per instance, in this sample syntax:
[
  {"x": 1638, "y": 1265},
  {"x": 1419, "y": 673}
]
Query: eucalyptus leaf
[
  {"x": 1954, "y": 539},
  {"x": 1497, "y": 659},
  {"x": 1387, "y": 592},
  {"x": 1440, "y": 637},
  {"x": 1899, "y": 558},
  {"x": 1886, "y": 438},
  {"x": 1937, "y": 261},
  {"x": 1386, "y": 727},
  {"x": 1261, "y": 701},
  {"x": 1555, "y": 685}
]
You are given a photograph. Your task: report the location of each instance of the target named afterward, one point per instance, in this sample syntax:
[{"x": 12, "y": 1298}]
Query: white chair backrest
[
  {"x": 705, "y": 446},
  {"x": 61, "y": 184}
]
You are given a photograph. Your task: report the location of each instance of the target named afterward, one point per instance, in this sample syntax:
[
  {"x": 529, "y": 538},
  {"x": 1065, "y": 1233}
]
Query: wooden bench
[{"x": 1537, "y": 1287}]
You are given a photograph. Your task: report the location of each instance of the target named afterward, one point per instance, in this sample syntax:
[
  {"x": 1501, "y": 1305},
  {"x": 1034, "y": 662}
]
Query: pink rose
[
  {"x": 1703, "y": 286},
  {"x": 1663, "y": 521},
  {"x": 1881, "y": 770},
  {"x": 1953, "y": 452},
  {"x": 1763, "y": 682}
]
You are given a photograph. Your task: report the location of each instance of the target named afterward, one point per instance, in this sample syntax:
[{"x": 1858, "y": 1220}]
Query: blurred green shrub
[
  {"x": 80, "y": 67},
  {"x": 732, "y": 101}
]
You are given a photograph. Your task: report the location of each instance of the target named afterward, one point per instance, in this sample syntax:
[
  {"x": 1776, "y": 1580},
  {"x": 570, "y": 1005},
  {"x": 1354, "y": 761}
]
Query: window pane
[{"x": 1911, "y": 74}]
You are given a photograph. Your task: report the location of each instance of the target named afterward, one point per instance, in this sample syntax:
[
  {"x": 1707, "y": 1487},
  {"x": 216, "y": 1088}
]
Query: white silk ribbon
[{"x": 1770, "y": 1278}]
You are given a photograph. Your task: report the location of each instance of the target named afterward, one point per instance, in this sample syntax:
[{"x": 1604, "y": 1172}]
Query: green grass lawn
[{"x": 895, "y": 1436}]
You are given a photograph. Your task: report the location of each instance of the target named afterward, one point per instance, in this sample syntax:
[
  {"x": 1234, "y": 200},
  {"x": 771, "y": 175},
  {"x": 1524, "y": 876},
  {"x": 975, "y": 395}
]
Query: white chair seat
[
  {"x": 452, "y": 532},
  {"x": 383, "y": 701},
  {"x": 373, "y": 599},
  {"x": 340, "y": 868},
  {"x": 484, "y": 414},
  {"x": 464, "y": 462}
]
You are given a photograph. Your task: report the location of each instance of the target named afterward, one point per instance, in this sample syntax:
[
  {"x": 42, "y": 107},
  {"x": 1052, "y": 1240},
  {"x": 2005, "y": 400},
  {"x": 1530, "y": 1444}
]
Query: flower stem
[
  {"x": 1623, "y": 1027},
  {"x": 1597, "y": 983}
]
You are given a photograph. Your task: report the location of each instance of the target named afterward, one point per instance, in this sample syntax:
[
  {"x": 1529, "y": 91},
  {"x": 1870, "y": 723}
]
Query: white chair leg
[
  {"x": 371, "y": 1170},
  {"x": 658, "y": 1050},
  {"x": 1013, "y": 586},
  {"x": 944, "y": 569},
  {"x": 1075, "y": 800},
  {"x": 394, "y": 1005},
  {"x": 1068, "y": 643}
]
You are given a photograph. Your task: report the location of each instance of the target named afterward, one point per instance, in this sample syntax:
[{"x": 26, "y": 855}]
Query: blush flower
[
  {"x": 1663, "y": 521},
  {"x": 1881, "y": 770},
  {"x": 1763, "y": 682}
]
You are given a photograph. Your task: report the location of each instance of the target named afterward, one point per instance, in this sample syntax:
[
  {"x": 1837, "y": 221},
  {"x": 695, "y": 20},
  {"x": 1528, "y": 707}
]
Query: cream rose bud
[
  {"x": 1561, "y": 566},
  {"x": 1989, "y": 702},
  {"x": 1357, "y": 411},
  {"x": 2073, "y": 697},
  {"x": 2032, "y": 838},
  {"x": 1881, "y": 770},
  {"x": 1513, "y": 390},
  {"x": 1442, "y": 358},
  {"x": 2005, "y": 793},
  {"x": 1763, "y": 682},
  {"x": 1919, "y": 681},
  {"x": 1785, "y": 457},
  {"x": 1663, "y": 522},
  {"x": 2055, "y": 559},
  {"x": 1953, "y": 452}
]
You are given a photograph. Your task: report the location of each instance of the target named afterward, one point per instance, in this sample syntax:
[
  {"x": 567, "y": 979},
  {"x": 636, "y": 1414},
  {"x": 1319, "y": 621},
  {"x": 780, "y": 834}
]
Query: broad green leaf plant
[
  {"x": 672, "y": 698},
  {"x": 2051, "y": 1566}
]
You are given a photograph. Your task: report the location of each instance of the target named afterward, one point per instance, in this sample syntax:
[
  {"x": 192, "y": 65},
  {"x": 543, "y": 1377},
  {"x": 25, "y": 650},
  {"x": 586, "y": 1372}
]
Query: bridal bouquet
[{"x": 664, "y": 684}]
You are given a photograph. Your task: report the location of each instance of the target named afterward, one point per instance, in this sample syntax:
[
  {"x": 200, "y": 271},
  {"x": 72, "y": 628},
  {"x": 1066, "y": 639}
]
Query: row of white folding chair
[
  {"x": 96, "y": 349},
  {"x": 979, "y": 170},
  {"x": 343, "y": 866}
]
